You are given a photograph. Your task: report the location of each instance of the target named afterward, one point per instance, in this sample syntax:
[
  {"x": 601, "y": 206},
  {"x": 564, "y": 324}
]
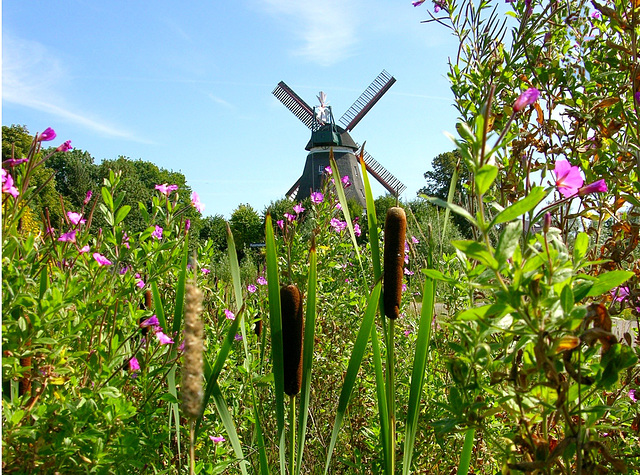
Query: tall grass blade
[
  {"x": 354, "y": 366},
  {"x": 452, "y": 191},
  {"x": 275, "y": 327},
  {"x": 465, "y": 457},
  {"x": 157, "y": 305},
  {"x": 227, "y": 420},
  {"x": 307, "y": 356}
]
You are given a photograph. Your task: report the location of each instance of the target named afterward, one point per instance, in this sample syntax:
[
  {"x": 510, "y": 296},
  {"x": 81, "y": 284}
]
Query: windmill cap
[{"x": 323, "y": 137}]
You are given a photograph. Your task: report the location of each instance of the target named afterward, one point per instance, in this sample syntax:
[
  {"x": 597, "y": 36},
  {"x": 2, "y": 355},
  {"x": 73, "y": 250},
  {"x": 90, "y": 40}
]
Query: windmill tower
[{"x": 326, "y": 135}]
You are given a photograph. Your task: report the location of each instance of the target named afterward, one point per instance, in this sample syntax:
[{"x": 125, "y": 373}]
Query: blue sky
[{"x": 187, "y": 85}]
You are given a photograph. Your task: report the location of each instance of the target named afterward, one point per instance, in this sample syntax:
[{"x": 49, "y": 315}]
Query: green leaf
[
  {"x": 182, "y": 277},
  {"x": 496, "y": 310},
  {"x": 455, "y": 208},
  {"x": 121, "y": 214},
  {"x": 509, "y": 240},
  {"x": 157, "y": 304},
  {"x": 567, "y": 299},
  {"x": 608, "y": 281},
  {"x": 353, "y": 367},
  {"x": 535, "y": 196},
  {"x": 227, "y": 421},
  {"x": 437, "y": 275},
  {"x": 465, "y": 456},
  {"x": 107, "y": 198},
  {"x": 485, "y": 177},
  {"x": 580, "y": 247},
  {"x": 478, "y": 251}
]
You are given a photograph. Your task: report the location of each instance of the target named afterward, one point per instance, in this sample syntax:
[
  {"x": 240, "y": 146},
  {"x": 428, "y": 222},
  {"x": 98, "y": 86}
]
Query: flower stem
[{"x": 292, "y": 434}]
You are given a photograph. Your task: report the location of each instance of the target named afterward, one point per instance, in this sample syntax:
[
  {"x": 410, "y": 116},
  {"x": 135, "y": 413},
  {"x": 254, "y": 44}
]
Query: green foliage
[{"x": 246, "y": 226}]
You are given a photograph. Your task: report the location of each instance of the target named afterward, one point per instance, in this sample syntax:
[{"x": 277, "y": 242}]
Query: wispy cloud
[
  {"x": 222, "y": 102},
  {"x": 325, "y": 31},
  {"x": 33, "y": 77}
]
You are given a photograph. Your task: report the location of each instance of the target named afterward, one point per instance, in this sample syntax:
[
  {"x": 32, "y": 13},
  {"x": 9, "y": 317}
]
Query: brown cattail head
[
  {"x": 258, "y": 326},
  {"x": 292, "y": 324},
  {"x": 395, "y": 231},
  {"x": 192, "y": 369}
]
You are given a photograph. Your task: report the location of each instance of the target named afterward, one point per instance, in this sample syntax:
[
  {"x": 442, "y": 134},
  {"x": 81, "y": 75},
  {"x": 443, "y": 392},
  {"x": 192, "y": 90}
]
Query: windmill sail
[
  {"x": 295, "y": 104},
  {"x": 384, "y": 176},
  {"x": 367, "y": 100}
]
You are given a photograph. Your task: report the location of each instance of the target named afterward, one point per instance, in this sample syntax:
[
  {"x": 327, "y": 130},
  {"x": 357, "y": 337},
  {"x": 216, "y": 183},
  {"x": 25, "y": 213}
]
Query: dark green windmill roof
[{"x": 323, "y": 138}]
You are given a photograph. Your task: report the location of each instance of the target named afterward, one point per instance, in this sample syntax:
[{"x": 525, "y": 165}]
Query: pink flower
[
  {"x": 414, "y": 240},
  {"x": 407, "y": 332},
  {"x": 100, "y": 259},
  {"x": 165, "y": 189},
  {"x": 48, "y": 134},
  {"x": 195, "y": 200},
  {"x": 525, "y": 99},
  {"x": 417, "y": 3},
  {"x": 68, "y": 237},
  {"x": 280, "y": 223},
  {"x": 84, "y": 249},
  {"x": 345, "y": 181},
  {"x": 157, "y": 233},
  {"x": 261, "y": 281},
  {"x": 599, "y": 186},
  {"x": 7, "y": 184},
  {"x": 162, "y": 338},
  {"x": 404, "y": 287},
  {"x": 134, "y": 365},
  {"x": 620, "y": 293},
  {"x": 75, "y": 218},
  {"x": 636, "y": 96},
  {"x": 88, "y": 197},
  {"x": 407, "y": 271},
  {"x": 356, "y": 229},
  {"x": 205, "y": 271},
  {"x": 125, "y": 241},
  {"x": 251, "y": 288},
  {"x": 338, "y": 206},
  {"x": 238, "y": 337},
  {"x": 317, "y": 197},
  {"x": 217, "y": 440},
  {"x": 290, "y": 217},
  {"x": 298, "y": 208},
  {"x": 633, "y": 394},
  {"x": 229, "y": 314},
  {"x": 65, "y": 147},
  {"x": 13, "y": 162},
  {"x": 187, "y": 224},
  {"x": 152, "y": 321},
  {"x": 328, "y": 170},
  {"x": 568, "y": 178},
  {"x": 338, "y": 225},
  {"x": 140, "y": 284}
]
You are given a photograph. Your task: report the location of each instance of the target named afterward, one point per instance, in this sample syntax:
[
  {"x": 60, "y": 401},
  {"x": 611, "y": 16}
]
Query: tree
[
  {"x": 76, "y": 174},
  {"x": 214, "y": 228},
  {"x": 15, "y": 139},
  {"x": 246, "y": 227}
]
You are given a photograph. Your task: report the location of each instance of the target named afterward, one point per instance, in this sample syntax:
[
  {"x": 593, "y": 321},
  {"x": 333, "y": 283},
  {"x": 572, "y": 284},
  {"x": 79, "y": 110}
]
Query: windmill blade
[
  {"x": 384, "y": 176},
  {"x": 293, "y": 191},
  {"x": 367, "y": 100},
  {"x": 295, "y": 104}
]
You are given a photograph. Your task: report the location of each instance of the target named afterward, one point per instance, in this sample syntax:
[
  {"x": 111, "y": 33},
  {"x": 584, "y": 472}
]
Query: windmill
[{"x": 326, "y": 135}]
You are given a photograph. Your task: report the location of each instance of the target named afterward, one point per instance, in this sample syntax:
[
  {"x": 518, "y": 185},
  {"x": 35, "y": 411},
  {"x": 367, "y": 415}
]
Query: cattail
[
  {"x": 192, "y": 392},
  {"x": 257, "y": 329},
  {"x": 395, "y": 230},
  {"x": 292, "y": 323}
]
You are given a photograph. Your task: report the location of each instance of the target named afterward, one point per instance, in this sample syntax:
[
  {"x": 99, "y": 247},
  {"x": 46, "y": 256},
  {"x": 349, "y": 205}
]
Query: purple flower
[
  {"x": 328, "y": 170},
  {"x": 595, "y": 15},
  {"x": 636, "y": 96},
  {"x": 217, "y": 440},
  {"x": 125, "y": 241},
  {"x": 157, "y": 233},
  {"x": 229, "y": 314},
  {"x": 620, "y": 293},
  {"x": 84, "y": 249},
  {"x": 187, "y": 224},
  {"x": 100, "y": 259},
  {"x": 88, "y": 197},
  {"x": 317, "y": 197},
  {"x": 162, "y": 338},
  {"x": 338, "y": 206},
  {"x": 251, "y": 288},
  {"x": 599, "y": 186},
  {"x": 439, "y": 5},
  {"x": 290, "y": 217},
  {"x": 404, "y": 287},
  {"x": 152, "y": 321},
  {"x": 568, "y": 178},
  {"x": 68, "y": 237},
  {"x": 134, "y": 365},
  {"x": 417, "y": 3},
  {"x": 65, "y": 147},
  {"x": 205, "y": 271},
  {"x": 261, "y": 280},
  {"x": 13, "y": 162},
  {"x": 345, "y": 181},
  {"x": 280, "y": 223},
  {"x": 414, "y": 240},
  {"x": 7, "y": 184},
  {"x": 407, "y": 332},
  {"x": 528, "y": 97},
  {"x": 407, "y": 271},
  {"x": 48, "y": 134},
  {"x": 338, "y": 225},
  {"x": 195, "y": 200},
  {"x": 633, "y": 394},
  {"x": 140, "y": 284},
  {"x": 75, "y": 218},
  {"x": 298, "y": 208},
  {"x": 238, "y": 337},
  {"x": 356, "y": 229},
  {"x": 165, "y": 189}
]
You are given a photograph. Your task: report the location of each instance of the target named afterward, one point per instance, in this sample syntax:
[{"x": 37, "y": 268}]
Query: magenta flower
[
  {"x": 415, "y": 240},
  {"x": 407, "y": 332},
  {"x": 75, "y": 218},
  {"x": 345, "y": 181},
  {"x": 84, "y": 249},
  {"x": 217, "y": 440},
  {"x": 338, "y": 206},
  {"x": 636, "y": 96},
  {"x": 100, "y": 259},
  {"x": 317, "y": 197},
  {"x": 88, "y": 197},
  {"x": 417, "y": 3},
  {"x": 251, "y": 288},
  {"x": 65, "y": 147},
  {"x": 280, "y": 223},
  {"x": 134, "y": 365},
  {"x": 568, "y": 178},
  {"x": 525, "y": 99},
  {"x": 261, "y": 281},
  {"x": 229, "y": 314},
  {"x": 238, "y": 337},
  {"x": 13, "y": 162},
  {"x": 140, "y": 284},
  {"x": 166, "y": 189},
  {"x": 407, "y": 271},
  {"x": 152, "y": 321},
  {"x": 187, "y": 224},
  {"x": 356, "y": 229},
  {"x": 620, "y": 294},
  {"x": 599, "y": 186},
  {"x": 48, "y": 134},
  {"x": 125, "y": 241},
  {"x": 338, "y": 225},
  {"x": 298, "y": 208},
  {"x": 157, "y": 233},
  {"x": 7, "y": 184},
  {"x": 162, "y": 338},
  {"x": 68, "y": 237},
  {"x": 633, "y": 394},
  {"x": 197, "y": 204},
  {"x": 205, "y": 271}
]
